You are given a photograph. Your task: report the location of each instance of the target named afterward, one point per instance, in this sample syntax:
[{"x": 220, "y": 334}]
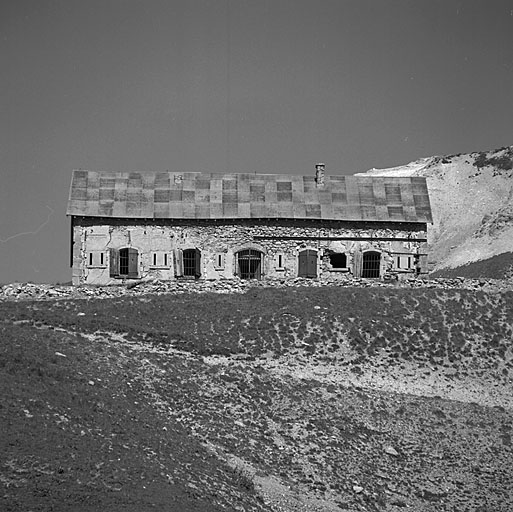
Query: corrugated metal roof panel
[
  {"x": 284, "y": 197},
  {"x": 202, "y": 211},
  {"x": 133, "y": 209},
  {"x": 395, "y": 212},
  {"x": 338, "y": 198},
  {"x": 105, "y": 209},
  {"x": 378, "y": 188},
  {"x": 325, "y": 197},
  {"x": 407, "y": 195},
  {"x": 326, "y": 211},
  {"x": 216, "y": 210},
  {"x": 161, "y": 210},
  {"x": 382, "y": 212},
  {"x": 313, "y": 211},
  {"x": 368, "y": 212},
  {"x": 218, "y": 196},
  {"x": 189, "y": 210},
  {"x": 78, "y": 194},
  {"x": 244, "y": 210}
]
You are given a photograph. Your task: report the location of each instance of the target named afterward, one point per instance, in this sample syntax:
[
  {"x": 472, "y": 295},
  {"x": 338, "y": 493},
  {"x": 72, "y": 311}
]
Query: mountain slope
[{"x": 472, "y": 201}]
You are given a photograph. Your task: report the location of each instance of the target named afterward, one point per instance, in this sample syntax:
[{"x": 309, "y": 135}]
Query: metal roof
[{"x": 195, "y": 195}]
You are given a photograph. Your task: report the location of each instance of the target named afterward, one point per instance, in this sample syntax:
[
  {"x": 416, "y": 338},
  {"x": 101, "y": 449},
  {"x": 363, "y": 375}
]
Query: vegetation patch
[{"x": 503, "y": 161}]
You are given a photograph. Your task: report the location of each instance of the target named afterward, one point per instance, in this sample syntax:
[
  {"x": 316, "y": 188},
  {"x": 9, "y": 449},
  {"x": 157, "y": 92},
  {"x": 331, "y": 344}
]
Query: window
[
  {"x": 124, "y": 262},
  {"x": 279, "y": 261},
  {"x": 404, "y": 261},
  {"x": 249, "y": 264},
  {"x": 96, "y": 259},
  {"x": 371, "y": 264},
  {"x": 219, "y": 261},
  {"x": 338, "y": 260},
  {"x": 188, "y": 263},
  {"x": 159, "y": 259},
  {"x": 307, "y": 263}
]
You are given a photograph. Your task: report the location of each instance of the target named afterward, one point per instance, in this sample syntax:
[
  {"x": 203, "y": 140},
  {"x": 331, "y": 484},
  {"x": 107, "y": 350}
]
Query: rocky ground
[
  {"x": 23, "y": 291},
  {"x": 300, "y": 399}
]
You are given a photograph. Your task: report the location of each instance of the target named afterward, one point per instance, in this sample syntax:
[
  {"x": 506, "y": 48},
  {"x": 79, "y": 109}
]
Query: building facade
[{"x": 129, "y": 226}]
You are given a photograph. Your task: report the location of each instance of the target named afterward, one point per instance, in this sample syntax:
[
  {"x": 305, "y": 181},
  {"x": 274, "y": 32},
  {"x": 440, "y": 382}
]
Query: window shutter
[
  {"x": 133, "y": 267},
  {"x": 312, "y": 263},
  {"x": 236, "y": 263},
  {"x": 178, "y": 262},
  {"x": 197, "y": 263},
  {"x": 114, "y": 262},
  {"x": 302, "y": 264},
  {"x": 357, "y": 264}
]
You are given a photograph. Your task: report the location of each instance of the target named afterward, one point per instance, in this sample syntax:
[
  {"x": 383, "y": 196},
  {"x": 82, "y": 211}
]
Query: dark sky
[{"x": 234, "y": 85}]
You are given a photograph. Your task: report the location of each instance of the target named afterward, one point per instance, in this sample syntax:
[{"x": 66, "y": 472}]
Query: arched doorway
[
  {"x": 371, "y": 264},
  {"x": 307, "y": 263},
  {"x": 249, "y": 264}
]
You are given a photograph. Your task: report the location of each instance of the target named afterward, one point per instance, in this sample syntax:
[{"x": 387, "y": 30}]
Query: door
[{"x": 308, "y": 263}]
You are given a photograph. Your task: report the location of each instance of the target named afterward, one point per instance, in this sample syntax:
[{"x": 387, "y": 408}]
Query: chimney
[{"x": 319, "y": 174}]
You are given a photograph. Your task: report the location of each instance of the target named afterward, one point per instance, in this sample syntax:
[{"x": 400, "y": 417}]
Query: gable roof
[{"x": 194, "y": 195}]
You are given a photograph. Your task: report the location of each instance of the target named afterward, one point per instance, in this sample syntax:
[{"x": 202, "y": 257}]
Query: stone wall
[{"x": 160, "y": 245}]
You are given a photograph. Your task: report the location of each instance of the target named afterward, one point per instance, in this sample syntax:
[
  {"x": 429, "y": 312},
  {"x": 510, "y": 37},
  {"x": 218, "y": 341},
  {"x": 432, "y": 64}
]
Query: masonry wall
[{"x": 159, "y": 243}]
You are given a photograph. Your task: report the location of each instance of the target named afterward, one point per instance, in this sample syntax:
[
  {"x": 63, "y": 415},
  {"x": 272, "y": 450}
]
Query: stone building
[{"x": 169, "y": 225}]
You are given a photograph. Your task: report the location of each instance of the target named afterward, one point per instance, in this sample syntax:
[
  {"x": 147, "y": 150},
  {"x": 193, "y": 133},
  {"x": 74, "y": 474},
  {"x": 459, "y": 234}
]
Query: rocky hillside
[
  {"x": 272, "y": 400},
  {"x": 472, "y": 202}
]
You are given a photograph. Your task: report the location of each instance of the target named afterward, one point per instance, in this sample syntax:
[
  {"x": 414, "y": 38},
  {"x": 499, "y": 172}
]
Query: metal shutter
[
  {"x": 197, "y": 263},
  {"x": 114, "y": 262},
  {"x": 178, "y": 262},
  {"x": 133, "y": 262}
]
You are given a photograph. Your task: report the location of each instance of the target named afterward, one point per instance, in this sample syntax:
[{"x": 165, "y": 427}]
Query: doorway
[{"x": 307, "y": 263}]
